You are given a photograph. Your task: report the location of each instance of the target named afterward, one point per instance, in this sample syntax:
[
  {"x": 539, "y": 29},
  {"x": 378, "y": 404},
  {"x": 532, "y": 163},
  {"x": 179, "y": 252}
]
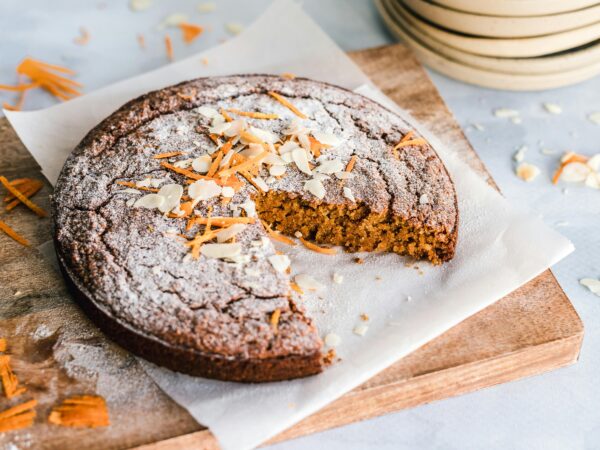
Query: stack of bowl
[{"x": 503, "y": 44}]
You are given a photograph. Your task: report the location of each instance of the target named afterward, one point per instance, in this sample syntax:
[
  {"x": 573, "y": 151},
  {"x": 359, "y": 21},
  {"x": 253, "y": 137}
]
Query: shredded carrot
[
  {"x": 253, "y": 114},
  {"x": 29, "y": 191},
  {"x": 296, "y": 288},
  {"x": 316, "y": 146},
  {"x": 215, "y": 164},
  {"x": 407, "y": 136},
  {"x": 190, "y": 31},
  {"x": 318, "y": 249},
  {"x": 275, "y": 235},
  {"x": 407, "y": 142},
  {"x": 130, "y": 184},
  {"x": 36, "y": 209},
  {"x": 84, "y": 37},
  {"x": 187, "y": 97},
  {"x": 287, "y": 104},
  {"x": 20, "y": 101},
  {"x": 288, "y": 75},
  {"x": 18, "y": 417},
  {"x": 215, "y": 139},
  {"x": 187, "y": 208},
  {"x": 222, "y": 221},
  {"x": 167, "y": 155},
  {"x": 351, "y": 163},
  {"x": 570, "y": 159},
  {"x": 249, "y": 163},
  {"x": 23, "y": 185},
  {"x": 2, "y": 344},
  {"x": 275, "y": 319},
  {"x": 81, "y": 411},
  {"x": 13, "y": 234},
  {"x": 41, "y": 75},
  {"x": 250, "y": 137},
  {"x": 250, "y": 180},
  {"x": 9, "y": 380},
  {"x": 141, "y": 41},
  {"x": 169, "y": 47},
  {"x": 226, "y": 116}
]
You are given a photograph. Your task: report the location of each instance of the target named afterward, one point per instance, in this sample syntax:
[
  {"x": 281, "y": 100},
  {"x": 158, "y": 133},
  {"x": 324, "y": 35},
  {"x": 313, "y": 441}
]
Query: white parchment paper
[{"x": 499, "y": 247}]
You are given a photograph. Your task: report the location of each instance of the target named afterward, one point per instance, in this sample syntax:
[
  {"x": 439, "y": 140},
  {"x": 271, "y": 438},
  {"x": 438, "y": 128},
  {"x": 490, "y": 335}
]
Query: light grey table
[{"x": 557, "y": 410}]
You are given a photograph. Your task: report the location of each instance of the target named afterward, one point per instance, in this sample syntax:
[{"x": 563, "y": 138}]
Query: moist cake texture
[{"x": 163, "y": 215}]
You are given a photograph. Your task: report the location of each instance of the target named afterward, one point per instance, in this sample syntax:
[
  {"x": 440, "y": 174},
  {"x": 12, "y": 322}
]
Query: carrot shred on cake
[
  {"x": 287, "y": 104},
  {"x": 81, "y": 411},
  {"x": 167, "y": 155},
  {"x": 275, "y": 319},
  {"x": 253, "y": 114}
]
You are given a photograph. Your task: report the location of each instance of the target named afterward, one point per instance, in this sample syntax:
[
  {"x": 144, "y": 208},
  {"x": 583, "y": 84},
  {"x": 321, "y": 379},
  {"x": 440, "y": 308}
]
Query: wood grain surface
[{"x": 57, "y": 352}]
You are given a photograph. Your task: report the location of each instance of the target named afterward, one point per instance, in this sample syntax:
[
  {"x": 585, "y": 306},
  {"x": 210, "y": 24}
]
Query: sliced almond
[
  {"x": 221, "y": 250},
  {"x": 316, "y": 188}
]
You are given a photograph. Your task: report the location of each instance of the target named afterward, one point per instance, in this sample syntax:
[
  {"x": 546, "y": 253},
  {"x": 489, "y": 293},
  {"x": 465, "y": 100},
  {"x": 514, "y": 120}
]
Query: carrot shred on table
[
  {"x": 28, "y": 191},
  {"x": 169, "y": 47},
  {"x": 315, "y": 248},
  {"x": 81, "y": 411},
  {"x": 18, "y": 417},
  {"x": 36, "y": 209},
  {"x": 20, "y": 101},
  {"x": 83, "y": 38},
  {"x": 287, "y": 104},
  {"x": 13, "y": 234},
  {"x": 570, "y": 159},
  {"x": 253, "y": 114},
  {"x": 10, "y": 382},
  {"x": 190, "y": 31},
  {"x": 167, "y": 155},
  {"x": 141, "y": 41}
]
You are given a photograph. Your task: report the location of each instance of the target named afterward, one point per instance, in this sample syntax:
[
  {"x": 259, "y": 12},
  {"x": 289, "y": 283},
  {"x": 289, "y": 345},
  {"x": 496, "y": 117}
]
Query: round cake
[{"x": 165, "y": 213}]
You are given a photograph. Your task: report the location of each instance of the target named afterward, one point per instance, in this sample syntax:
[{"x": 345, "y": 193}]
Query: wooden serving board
[{"x": 57, "y": 352}]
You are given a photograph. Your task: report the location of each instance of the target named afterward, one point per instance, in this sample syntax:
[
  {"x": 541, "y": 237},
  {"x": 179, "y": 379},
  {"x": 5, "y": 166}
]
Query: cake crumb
[
  {"x": 364, "y": 317},
  {"x": 206, "y": 7},
  {"x": 359, "y": 260}
]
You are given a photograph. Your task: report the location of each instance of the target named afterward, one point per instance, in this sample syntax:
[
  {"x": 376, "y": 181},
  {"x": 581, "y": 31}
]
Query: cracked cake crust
[{"x": 211, "y": 317}]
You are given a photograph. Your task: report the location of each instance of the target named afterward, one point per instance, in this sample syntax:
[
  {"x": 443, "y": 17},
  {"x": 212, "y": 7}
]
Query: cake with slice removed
[{"x": 164, "y": 211}]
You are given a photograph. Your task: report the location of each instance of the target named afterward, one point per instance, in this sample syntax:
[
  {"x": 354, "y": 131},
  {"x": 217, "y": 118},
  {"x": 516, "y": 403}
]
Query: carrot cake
[{"x": 163, "y": 216}]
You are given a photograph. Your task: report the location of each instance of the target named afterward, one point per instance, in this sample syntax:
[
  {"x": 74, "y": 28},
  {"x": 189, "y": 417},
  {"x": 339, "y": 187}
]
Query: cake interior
[{"x": 353, "y": 226}]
